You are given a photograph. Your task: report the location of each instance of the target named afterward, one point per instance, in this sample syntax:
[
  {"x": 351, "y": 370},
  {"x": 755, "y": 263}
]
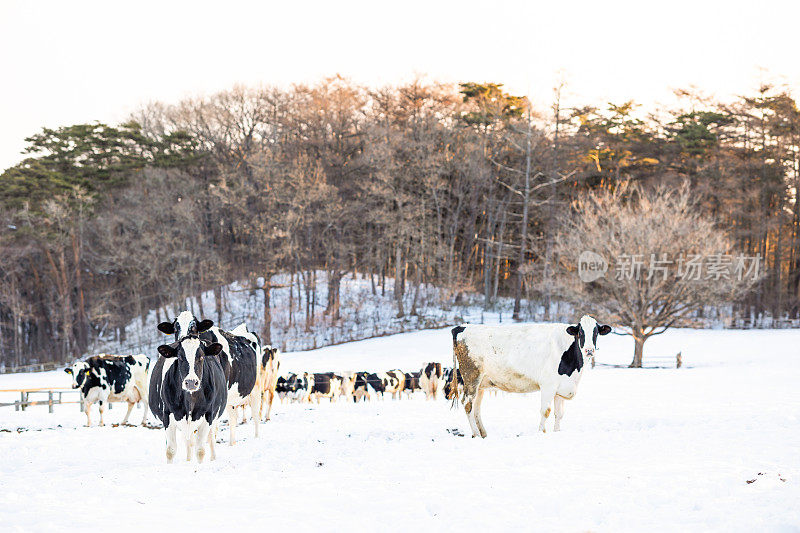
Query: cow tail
[{"x": 453, "y": 396}]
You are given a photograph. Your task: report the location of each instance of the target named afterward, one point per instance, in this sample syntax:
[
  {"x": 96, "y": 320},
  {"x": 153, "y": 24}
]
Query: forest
[{"x": 460, "y": 186}]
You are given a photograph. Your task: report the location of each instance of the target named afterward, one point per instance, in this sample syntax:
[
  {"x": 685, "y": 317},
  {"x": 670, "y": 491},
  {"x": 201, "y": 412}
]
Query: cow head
[
  {"x": 190, "y": 353},
  {"x": 185, "y": 325},
  {"x": 79, "y": 372},
  {"x": 586, "y": 333}
]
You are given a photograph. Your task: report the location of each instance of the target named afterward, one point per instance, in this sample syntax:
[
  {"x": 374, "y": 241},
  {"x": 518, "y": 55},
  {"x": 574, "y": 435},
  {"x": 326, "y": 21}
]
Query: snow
[{"x": 660, "y": 449}]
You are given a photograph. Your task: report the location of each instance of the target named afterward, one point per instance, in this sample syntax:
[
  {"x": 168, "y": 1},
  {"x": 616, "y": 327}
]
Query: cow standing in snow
[
  {"x": 188, "y": 391},
  {"x": 429, "y": 379},
  {"x": 394, "y": 382},
  {"x": 240, "y": 357},
  {"x": 110, "y": 378},
  {"x": 361, "y": 386},
  {"x": 348, "y": 385},
  {"x": 267, "y": 378},
  {"x": 412, "y": 383},
  {"x": 523, "y": 358},
  {"x": 326, "y": 385}
]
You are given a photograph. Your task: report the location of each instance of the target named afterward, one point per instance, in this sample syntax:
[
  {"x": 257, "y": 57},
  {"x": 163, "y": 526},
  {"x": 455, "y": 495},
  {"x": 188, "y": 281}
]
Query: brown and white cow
[{"x": 267, "y": 378}]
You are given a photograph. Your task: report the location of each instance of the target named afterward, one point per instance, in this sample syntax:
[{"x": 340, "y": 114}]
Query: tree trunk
[
  {"x": 334, "y": 285},
  {"x": 398, "y": 281},
  {"x": 218, "y": 303},
  {"x": 637, "y": 351},
  {"x": 266, "y": 332},
  {"x": 523, "y": 240}
]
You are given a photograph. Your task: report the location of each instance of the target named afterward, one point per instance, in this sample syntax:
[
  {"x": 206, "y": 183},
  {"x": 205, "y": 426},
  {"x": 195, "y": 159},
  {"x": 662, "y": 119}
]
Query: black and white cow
[
  {"x": 429, "y": 379},
  {"x": 282, "y": 386},
  {"x": 394, "y": 382},
  {"x": 295, "y": 387},
  {"x": 110, "y": 378},
  {"x": 412, "y": 383},
  {"x": 361, "y": 386},
  {"x": 188, "y": 391},
  {"x": 240, "y": 356},
  {"x": 326, "y": 385},
  {"x": 523, "y": 358}
]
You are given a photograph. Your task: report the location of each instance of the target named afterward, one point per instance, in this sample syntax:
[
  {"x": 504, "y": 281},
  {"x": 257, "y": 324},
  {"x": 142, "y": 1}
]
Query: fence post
[
  {"x": 678, "y": 360},
  {"x": 16, "y": 405},
  {"x": 50, "y": 401},
  {"x": 23, "y": 398}
]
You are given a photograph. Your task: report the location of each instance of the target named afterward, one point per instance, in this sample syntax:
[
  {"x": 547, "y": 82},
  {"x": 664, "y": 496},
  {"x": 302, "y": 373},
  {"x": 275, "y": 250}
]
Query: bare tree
[{"x": 666, "y": 260}]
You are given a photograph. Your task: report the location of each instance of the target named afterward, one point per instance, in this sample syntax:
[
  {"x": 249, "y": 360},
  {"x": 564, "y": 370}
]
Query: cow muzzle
[{"x": 191, "y": 385}]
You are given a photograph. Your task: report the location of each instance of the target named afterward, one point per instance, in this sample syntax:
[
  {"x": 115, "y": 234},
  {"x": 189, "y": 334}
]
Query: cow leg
[
  {"x": 102, "y": 410},
  {"x": 471, "y": 401},
  {"x": 270, "y": 398},
  {"x": 87, "y": 408},
  {"x": 558, "y": 408},
  {"x": 212, "y": 440},
  {"x": 202, "y": 436},
  {"x": 544, "y": 410},
  {"x": 189, "y": 446},
  {"x": 476, "y": 410},
  {"x": 254, "y": 405},
  {"x": 130, "y": 408},
  {"x": 146, "y": 407},
  {"x": 232, "y": 420},
  {"x": 172, "y": 441}
]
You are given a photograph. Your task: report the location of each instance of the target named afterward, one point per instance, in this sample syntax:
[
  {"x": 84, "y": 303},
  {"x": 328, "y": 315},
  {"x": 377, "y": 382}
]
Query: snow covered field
[{"x": 658, "y": 449}]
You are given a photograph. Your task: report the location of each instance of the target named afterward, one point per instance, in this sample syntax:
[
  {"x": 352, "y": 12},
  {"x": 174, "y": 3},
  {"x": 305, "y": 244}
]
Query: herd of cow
[{"x": 208, "y": 371}]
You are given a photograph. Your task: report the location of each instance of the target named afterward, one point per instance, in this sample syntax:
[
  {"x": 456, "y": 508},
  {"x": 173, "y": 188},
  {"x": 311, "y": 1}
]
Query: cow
[
  {"x": 240, "y": 357},
  {"x": 326, "y": 385},
  {"x": 348, "y": 385},
  {"x": 412, "y": 383},
  {"x": 361, "y": 386},
  {"x": 189, "y": 391},
  {"x": 109, "y": 378},
  {"x": 429, "y": 379},
  {"x": 282, "y": 386},
  {"x": 523, "y": 358},
  {"x": 295, "y": 387},
  {"x": 267, "y": 378},
  {"x": 394, "y": 383}
]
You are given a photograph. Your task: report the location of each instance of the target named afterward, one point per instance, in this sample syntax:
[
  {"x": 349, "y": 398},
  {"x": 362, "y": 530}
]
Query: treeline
[{"x": 461, "y": 186}]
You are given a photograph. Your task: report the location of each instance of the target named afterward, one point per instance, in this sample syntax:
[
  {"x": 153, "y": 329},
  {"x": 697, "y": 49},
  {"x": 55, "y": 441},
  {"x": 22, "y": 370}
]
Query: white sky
[{"x": 65, "y": 62}]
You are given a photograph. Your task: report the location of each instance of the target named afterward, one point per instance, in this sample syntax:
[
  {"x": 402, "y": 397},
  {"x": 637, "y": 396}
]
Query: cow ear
[
  {"x": 167, "y": 328},
  {"x": 212, "y": 349},
  {"x": 68, "y": 370},
  {"x": 604, "y": 330},
  {"x": 573, "y": 330},
  {"x": 167, "y": 351},
  {"x": 204, "y": 325}
]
